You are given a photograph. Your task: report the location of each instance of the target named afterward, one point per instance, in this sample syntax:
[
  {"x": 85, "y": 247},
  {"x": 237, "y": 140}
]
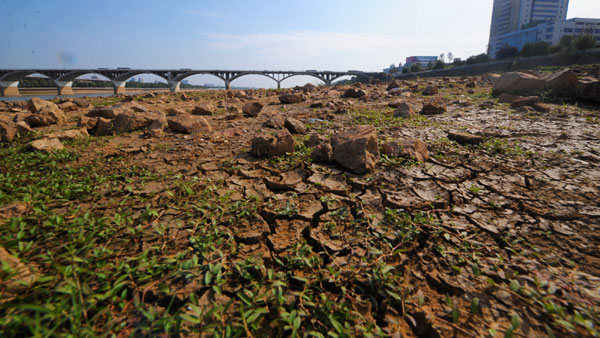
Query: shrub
[
  {"x": 585, "y": 42},
  {"x": 415, "y": 68},
  {"x": 439, "y": 65},
  {"x": 507, "y": 52}
]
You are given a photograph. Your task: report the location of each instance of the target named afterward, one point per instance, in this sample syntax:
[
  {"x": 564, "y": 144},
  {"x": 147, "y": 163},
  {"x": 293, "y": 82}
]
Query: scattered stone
[
  {"x": 36, "y": 105},
  {"x": 435, "y": 106},
  {"x": 203, "y": 110},
  {"x": 189, "y": 124},
  {"x": 273, "y": 145},
  {"x": 45, "y": 117},
  {"x": 431, "y": 90},
  {"x": 465, "y": 138},
  {"x": 175, "y": 111},
  {"x": 47, "y": 145},
  {"x": 9, "y": 130},
  {"x": 291, "y": 98},
  {"x": 103, "y": 127},
  {"x": 394, "y": 84},
  {"x": 72, "y": 134},
  {"x": 104, "y": 112},
  {"x": 589, "y": 90},
  {"x": 13, "y": 210},
  {"x": 21, "y": 276},
  {"x": 516, "y": 82},
  {"x": 131, "y": 121},
  {"x": 354, "y": 93},
  {"x": 541, "y": 107},
  {"x": 275, "y": 121},
  {"x": 525, "y": 101},
  {"x": 314, "y": 140},
  {"x": 252, "y": 109},
  {"x": 82, "y": 103},
  {"x": 316, "y": 105},
  {"x": 508, "y": 98},
  {"x": 356, "y": 149},
  {"x": 410, "y": 148},
  {"x": 294, "y": 126},
  {"x": 68, "y": 106},
  {"x": 471, "y": 84},
  {"x": 404, "y": 110},
  {"x": 565, "y": 79},
  {"x": 323, "y": 153}
]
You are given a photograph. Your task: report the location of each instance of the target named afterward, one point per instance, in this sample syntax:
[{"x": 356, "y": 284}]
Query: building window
[
  {"x": 568, "y": 30},
  {"x": 549, "y": 37},
  {"x": 578, "y": 30},
  {"x": 597, "y": 31},
  {"x": 579, "y": 23},
  {"x": 550, "y": 30}
]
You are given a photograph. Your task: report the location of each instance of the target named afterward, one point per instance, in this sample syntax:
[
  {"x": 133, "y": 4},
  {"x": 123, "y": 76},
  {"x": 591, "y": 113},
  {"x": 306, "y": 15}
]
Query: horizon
[{"x": 238, "y": 35}]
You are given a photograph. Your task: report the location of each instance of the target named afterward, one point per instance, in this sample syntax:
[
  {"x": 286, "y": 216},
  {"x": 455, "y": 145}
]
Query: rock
[
  {"x": 471, "y": 84},
  {"x": 45, "y": 117},
  {"x": 273, "y": 145},
  {"x": 203, "y": 109},
  {"x": 131, "y": 120},
  {"x": 356, "y": 149},
  {"x": 19, "y": 278},
  {"x": 13, "y": 210},
  {"x": 82, "y": 103},
  {"x": 21, "y": 117},
  {"x": 517, "y": 82},
  {"x": 189, "y": 124},
  {"x": 104, "y": 112},
  {"x": 354, "y": 93},
  {"x": 87, "y": 122},
  {"x": 323, "y": 153},
  {"x": 72, "y": 134},
  {"x": 252, "y": 109},
  {"x": 9, "y": 130},
  {"x": 394, "y": 84},
  {"x": 409, "y": 148},
  {"x": 294, "y": 126},
  {"x": 398, "y": 91},
  {"x": 36, "y": 105},
  {"x": 525, "y": 101},
  {"x": 465, "y": 138},
  {"x": 291, "y": 98},
  {"x": 589, "y": 90},
  {"x": 316, "y": 105},
  {"x": 47, "y": 145},
  {"x": 431, "y": 90},
  {"x": 275, "y": 121},
  {"x": 541, "y": 107},
  {"x": 68, "y": 106},
  {"x": 565, "y": 79},
  {"x": 435, "y": 106},
  {"x": 508, "y": 98},
  {"x": 404, "y": 110},
  {"x": 103, "y": 127},
  {"x": 314, "y": 140},
  {"x": 175, "y": 111}
]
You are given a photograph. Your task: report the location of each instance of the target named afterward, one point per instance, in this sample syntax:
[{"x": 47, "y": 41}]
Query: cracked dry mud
[{"x": 476, "y": 241}]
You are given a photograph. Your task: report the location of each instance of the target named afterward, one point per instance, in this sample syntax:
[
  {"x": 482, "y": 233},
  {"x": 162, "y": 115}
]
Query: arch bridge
[{"x": 63, "y": 78}]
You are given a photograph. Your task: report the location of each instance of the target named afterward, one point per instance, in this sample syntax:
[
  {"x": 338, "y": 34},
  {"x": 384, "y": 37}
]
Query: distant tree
[
  {"x": 405, "y": 70},
  {"x": 450, "y": 57},
  {"x": 442, "y": 57},
  {"x": 458, "y": 62},
  {"x": 415, "y": 68},
  {"x": 526, "y": 50},
  {"x": 439, "y": 65},
  {"x": 556, "y": 49},
  {"x": 534, "y": 49},
  {"x": 585, "y": 42},
  {"x": 475, "y": 59},
  {"x": 507, "y": 52},
  {"x": 566, "y": 41}
]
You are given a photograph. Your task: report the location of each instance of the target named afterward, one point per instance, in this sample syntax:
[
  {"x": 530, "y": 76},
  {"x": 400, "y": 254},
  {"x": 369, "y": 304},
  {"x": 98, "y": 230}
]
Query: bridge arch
[
  {"x": 119, "y": 80},
  {"x": 9, "y": 82},
  {"x": 270, "y": 76}
]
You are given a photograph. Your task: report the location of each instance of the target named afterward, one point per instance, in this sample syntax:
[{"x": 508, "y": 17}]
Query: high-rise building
[{"x": 513, "y": 15}]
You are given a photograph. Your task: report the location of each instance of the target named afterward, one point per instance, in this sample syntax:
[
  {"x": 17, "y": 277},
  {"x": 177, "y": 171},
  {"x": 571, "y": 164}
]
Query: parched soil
[{"x": 183, "y": 235}]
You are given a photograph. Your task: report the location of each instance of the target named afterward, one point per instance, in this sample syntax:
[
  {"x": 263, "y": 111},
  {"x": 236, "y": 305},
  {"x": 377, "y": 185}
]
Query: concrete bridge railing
[{"x": 63, "y": 78}]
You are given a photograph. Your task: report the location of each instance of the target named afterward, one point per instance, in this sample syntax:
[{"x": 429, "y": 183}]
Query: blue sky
[{"x": 324, "y": 34}]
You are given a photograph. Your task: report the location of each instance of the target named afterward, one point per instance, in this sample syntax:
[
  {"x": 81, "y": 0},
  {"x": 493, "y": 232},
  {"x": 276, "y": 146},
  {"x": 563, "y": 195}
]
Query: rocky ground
[{"x": 428, "y": 208}]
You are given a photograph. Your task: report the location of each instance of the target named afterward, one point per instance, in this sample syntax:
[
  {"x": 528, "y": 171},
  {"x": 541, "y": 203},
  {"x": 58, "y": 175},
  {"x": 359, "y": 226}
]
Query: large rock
[
  {"x": 410, "y": 148},
  {"x": 517, "y": 82},
  {"x": 392, "y": 85},
  {"x": 203, "y": 109},
  {"x": 87, "y": 122},
  {"x": 68, "y": 106},
  {"x": 104, "y": 112},
  {"x": 354, "y": 93},
  {"x": 131, "y": 120},
  {"x": 435, "y": 106},
  {"x": 565, "y": 79},
  {"x": 323, "y": 153},
  {"x": 356, "y": 149},
  {"x": 431, "y": 90},
  {"x": 82, "y": 103},
  {"x": 404, "y": 110},
  {"x": 465, "y": 138},
  {"x": 72, "y": 134},
  {"x": 9, "y": 130},
  {"x": 274, "y": 121},
  {"x": 294, "y": 126},
  {"x": 525, "y": 101},
  {"x": 189, "y": 124},
  {"x": 36, "y": 105},
  {"x": 252, "y": 109},
  {"x": 589, "y": 90},
  {"x": 45, "y": 117},
  {"x": 291, "y": 98},
  {"x": 47, "y": 144},
  {"x": 273, "y": 145}
]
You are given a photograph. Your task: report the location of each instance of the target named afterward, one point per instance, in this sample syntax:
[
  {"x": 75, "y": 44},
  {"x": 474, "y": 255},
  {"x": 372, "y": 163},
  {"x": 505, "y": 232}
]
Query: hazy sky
[{"x": 287, "y": 35}]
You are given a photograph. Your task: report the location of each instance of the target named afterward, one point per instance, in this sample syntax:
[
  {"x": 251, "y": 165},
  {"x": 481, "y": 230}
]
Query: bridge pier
[
  {"x": 64, "y": 87},
  {"x": 278, "y": 84},
  {"x": 119, "y": 87},
  {"x": 9, "y": 88},
  {"x": 227, "y": 85},
  {"x": 174, "y": 86}
]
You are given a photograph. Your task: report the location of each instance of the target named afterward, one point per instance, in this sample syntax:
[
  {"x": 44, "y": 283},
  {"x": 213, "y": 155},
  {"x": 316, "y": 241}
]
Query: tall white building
[{"x": 513, "y": 15}]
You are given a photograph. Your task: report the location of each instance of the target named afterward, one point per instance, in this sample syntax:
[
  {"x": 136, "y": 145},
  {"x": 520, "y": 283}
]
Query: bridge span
[{"x": 63, "y": 78}]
